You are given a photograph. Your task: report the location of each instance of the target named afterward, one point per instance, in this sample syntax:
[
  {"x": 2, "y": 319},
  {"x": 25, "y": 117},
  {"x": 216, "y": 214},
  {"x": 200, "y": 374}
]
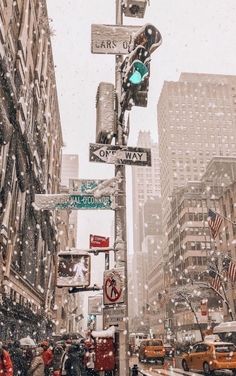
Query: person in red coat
[
  {"x": 47, "y": 356},
  {"x": 6, "y": 367}
]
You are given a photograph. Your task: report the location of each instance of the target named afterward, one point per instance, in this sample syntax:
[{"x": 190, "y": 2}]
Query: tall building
[
  {"x": 145, "y": 185},
  {"x": 30, "y": 162},
  {"x": 196, "y": 121},
  {"x": 70, "y": 168},
  {"x": 67, "y": 306},
  {"x": 145, "y": 192}
]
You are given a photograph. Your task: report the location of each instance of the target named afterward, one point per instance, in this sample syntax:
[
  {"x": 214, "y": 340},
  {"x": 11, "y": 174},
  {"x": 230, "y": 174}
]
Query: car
[
  {"x": 152, "y": 349},
  {"x": 210, "y": 356}
]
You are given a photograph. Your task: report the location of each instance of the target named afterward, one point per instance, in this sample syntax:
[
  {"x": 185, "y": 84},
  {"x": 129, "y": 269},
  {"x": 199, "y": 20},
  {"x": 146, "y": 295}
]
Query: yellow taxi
[
  {"x": 210, "y": 356},
  {"x": 152, "y": 349}
]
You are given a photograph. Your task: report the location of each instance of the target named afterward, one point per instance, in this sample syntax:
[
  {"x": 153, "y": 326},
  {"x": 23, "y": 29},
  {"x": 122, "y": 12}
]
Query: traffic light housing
[
  {"x": 136, "y": 67},
  {"x": 105, "y": 113},
  {"x": 147, "y": 36}
]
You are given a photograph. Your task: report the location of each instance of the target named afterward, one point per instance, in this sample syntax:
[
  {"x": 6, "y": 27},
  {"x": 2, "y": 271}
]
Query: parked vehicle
[
  {"x": 209, "y": 357},
  {"x": 226, "y": 331},
  {"x": 152, "y": 349},
  {"x": 134, "y": 341}
]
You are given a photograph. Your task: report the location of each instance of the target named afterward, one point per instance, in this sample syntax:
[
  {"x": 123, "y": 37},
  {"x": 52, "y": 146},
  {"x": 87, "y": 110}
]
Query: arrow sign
[{"x": 119, "y": 155}]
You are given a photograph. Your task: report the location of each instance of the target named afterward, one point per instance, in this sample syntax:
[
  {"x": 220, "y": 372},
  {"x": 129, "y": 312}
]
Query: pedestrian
[
  {"x": 90, "y": 362},
  {"x": 6, "y": 367},
  {"x": 37, "y": 364},
  {"x": 18, "y": 359},
  {"x": 74, "y": 365},
  {"x": 47, "y": 357}
]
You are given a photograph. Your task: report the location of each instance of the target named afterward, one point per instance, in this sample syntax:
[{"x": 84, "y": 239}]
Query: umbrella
[{"x": 27, "y": 341}]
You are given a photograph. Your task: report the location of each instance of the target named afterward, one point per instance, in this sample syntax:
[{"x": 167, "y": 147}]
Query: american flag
[
  {"x": 232, "y": 271},
  {"x": 214, "y": 221},
  {"x": 216, "y": 283}
]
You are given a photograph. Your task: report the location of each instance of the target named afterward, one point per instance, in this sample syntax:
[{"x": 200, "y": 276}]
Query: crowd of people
[
  {"x": 70, "y": 358},
  {"x": 17, "y": 360}
]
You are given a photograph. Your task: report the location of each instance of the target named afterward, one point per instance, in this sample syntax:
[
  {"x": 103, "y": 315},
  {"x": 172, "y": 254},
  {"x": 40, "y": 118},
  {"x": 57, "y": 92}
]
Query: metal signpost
[{"x": 120, "y": 155}]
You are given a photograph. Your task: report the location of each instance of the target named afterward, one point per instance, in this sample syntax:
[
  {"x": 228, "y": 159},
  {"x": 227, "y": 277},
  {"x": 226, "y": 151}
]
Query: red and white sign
[
  {"x": 113, "y": 286},
  {"x": 97, "y": 241}
]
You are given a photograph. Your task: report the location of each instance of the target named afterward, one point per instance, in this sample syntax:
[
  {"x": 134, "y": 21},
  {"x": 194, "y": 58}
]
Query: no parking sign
[{"x": 113, "y": 286}]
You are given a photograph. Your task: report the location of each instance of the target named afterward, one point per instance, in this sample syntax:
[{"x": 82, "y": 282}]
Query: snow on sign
[
  {"x": 66, "y": 201},
  {"x": 83, "y": 186},
  {"x": 113, "y": 286},
  {"x": 111, "y": 39},
  {"x": 120, "y": 155}
]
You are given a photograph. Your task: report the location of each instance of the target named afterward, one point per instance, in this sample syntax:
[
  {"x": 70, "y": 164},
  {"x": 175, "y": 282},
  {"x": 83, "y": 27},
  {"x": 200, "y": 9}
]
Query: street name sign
[
  {"x": 120, "y": 155},
  {"x": 113, "y": 316},
  {"x": 111, "y": 39},
  {"x": 83, "y": 186},
  {"x": 67, "y": 201}
]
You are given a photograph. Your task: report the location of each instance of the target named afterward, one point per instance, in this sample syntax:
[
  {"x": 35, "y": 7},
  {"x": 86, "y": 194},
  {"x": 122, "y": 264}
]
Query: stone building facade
[{"x": 30, "y": 161}]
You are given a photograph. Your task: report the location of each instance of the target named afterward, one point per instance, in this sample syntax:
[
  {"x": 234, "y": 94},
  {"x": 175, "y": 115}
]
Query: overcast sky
[{"x": 198, "y": 36}]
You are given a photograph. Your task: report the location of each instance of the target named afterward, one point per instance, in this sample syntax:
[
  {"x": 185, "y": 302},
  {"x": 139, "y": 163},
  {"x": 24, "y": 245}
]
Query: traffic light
[
  {"x": 135, "y": 69},
  {"x": 148, "y": 36}
]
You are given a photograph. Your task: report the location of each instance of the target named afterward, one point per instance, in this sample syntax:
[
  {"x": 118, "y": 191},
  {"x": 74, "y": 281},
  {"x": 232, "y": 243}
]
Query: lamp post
[{"x": 120, "y": 212}]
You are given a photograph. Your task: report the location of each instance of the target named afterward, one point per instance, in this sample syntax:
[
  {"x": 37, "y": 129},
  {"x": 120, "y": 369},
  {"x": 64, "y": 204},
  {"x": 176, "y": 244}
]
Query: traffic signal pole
[{"x": 120, "y": 212}]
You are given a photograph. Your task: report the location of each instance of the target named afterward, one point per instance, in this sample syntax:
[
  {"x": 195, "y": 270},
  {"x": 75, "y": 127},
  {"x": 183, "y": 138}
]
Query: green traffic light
[{"x": 139, "y": 73}]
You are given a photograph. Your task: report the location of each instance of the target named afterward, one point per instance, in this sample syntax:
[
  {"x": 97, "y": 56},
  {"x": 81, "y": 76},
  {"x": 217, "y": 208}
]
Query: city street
[
  {"x": 117, "y": 187},
  {"x": 170, "y": 368}
]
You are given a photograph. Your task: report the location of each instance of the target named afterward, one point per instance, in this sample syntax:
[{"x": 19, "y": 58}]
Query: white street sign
[
  {"x": 113, "y": 316},
  {"x": 111, "y": 39},
  {"x": 120, "y": 155}
]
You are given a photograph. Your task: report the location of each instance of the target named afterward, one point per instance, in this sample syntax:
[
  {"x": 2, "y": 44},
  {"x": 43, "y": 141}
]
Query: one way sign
[{"x": 119, "y": 155}]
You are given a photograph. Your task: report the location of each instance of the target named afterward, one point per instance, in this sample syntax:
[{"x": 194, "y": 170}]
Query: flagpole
[
  {"x": 227, "y": 219},
  {"x": 226, "y": 310}
]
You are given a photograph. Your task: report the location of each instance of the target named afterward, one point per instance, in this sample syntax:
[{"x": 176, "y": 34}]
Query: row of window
[{"x": 18, "y": 298}]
